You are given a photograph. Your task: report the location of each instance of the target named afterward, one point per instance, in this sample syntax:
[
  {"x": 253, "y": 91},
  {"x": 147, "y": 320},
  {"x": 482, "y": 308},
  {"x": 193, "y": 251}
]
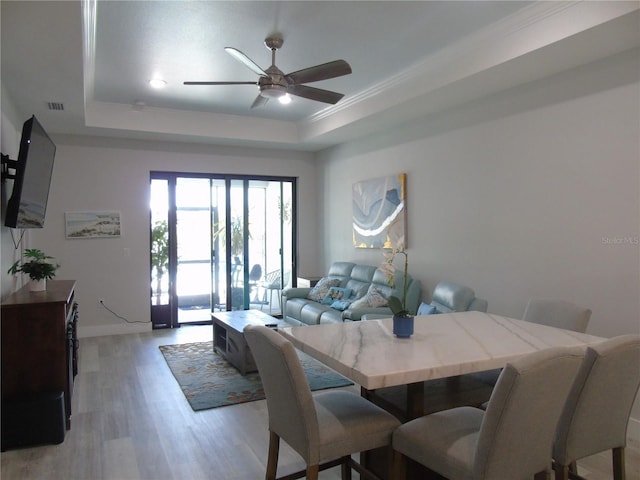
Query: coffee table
[{"x": 228, "y": 339}]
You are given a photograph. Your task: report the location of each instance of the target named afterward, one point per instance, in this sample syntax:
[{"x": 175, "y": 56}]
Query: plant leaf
[{"x": 396, "y": 306}]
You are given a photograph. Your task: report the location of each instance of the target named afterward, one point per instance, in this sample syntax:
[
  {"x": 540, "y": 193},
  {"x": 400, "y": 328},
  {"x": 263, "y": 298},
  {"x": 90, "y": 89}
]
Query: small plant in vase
[
  {"x": 402, "y": 319},
  {"x": 38, "y": 266}
]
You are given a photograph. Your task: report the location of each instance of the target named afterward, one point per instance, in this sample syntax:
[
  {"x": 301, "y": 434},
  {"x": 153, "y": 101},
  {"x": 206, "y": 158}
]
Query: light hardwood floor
[{"x": 130, "y": 421}]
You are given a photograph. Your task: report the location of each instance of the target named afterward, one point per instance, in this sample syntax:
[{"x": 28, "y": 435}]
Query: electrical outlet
[{"x": 100, "y": 302}]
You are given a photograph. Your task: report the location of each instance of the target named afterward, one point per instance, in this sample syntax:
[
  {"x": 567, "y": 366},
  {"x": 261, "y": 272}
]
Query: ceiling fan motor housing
[
  {"x": 274, "y": 85},
  {"x": 274, "y": 41},
  {"x": 275, "y": 91}
]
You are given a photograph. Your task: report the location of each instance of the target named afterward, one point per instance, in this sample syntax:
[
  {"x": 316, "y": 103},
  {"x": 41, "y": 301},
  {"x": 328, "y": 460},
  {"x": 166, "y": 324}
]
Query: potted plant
[
  {"x": 37, "y": 265},
  {"x": 402, "y": 319},
  {"x": 160, "y": 252}
]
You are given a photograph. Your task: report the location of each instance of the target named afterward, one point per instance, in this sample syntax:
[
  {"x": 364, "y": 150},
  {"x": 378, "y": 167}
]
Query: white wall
[{"x": 105, "y": 174}]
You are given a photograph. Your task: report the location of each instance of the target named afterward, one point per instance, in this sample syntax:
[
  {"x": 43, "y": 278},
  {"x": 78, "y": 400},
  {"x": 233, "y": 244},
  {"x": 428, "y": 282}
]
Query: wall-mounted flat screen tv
[{"x": 28, "y": 203}]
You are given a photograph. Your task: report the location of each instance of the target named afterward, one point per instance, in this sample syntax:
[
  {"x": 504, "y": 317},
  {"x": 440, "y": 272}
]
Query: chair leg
[
  {"x": 618, "y": 464},
  {"x": 573, "y": 467},
  {"x": 312, "y": 472},
  {"x": 346, "y": 468},
  {"x": 272, "y": 460},
  {"x": 542, "y": 475},
  {"x": 398, "y": 465},
  {"x": 562, "y": 472}
]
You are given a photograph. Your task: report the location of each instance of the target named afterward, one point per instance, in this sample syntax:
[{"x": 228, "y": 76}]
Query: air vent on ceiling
[{"x": 55, "y": 105}]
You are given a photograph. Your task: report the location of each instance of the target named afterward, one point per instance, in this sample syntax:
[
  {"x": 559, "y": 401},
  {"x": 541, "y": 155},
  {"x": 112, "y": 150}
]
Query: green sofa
[{"x": 362, "y": 281}]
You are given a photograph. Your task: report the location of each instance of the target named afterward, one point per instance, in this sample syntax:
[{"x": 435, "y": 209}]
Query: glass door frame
[{"x": 172, "y": 209}]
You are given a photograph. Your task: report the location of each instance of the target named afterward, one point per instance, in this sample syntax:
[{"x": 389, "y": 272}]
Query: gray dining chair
[
  {"x": 597, "y": 411},
  {"x": 557, "y": 313},
  {"x": 327, "y": 426},
  {"x": 553, "y": 313},
  {"x": 512, "y": 439}
]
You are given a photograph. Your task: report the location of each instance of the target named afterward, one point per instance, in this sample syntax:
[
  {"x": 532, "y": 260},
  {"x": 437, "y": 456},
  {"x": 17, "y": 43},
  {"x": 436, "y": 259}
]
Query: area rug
[{"x": 209, "y": 381}]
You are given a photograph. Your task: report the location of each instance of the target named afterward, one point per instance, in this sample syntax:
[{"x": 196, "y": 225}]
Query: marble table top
[{"x": 442, "y": 346}]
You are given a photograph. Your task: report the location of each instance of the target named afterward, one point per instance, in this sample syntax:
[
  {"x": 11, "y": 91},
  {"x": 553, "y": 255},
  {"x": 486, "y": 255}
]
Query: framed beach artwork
[
  {"x": 92, "y": 224},
  {"x": 380, "y": 212}
]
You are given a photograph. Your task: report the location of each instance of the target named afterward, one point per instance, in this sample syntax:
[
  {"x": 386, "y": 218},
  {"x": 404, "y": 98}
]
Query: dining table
[{"x": 442, "y": 346}]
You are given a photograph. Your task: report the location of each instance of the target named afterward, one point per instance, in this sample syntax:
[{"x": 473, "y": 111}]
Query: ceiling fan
[{"x": 275, "y": 84}]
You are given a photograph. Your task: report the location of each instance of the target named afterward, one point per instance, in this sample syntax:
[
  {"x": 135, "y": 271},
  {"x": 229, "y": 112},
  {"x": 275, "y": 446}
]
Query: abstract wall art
[{"x": 380, "y": 212}]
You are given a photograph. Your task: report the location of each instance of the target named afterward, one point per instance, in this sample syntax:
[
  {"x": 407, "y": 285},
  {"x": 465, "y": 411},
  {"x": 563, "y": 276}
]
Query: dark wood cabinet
[{"x": 39, "y": 348}]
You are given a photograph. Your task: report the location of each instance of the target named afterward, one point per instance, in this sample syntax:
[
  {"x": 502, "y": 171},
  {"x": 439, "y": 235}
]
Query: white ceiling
[{"x": 408, "y": 58}]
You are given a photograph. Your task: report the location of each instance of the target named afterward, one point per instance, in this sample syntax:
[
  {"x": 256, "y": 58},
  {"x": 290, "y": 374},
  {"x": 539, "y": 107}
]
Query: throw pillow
[
  {"x": 373, "y": 298},
  {"x": 319, "y": 291},
  {"x": 336, "y": 293},
  {"x": 426, "y": 309},
  {"x": 341, "y": 305}
]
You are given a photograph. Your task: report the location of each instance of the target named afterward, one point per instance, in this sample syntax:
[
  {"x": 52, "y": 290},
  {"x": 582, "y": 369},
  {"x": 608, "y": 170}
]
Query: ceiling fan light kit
[
  {"x": 273, "y": 83},
  {"x": 285, "y": 99},
  {"x": 157, "y": 83}
]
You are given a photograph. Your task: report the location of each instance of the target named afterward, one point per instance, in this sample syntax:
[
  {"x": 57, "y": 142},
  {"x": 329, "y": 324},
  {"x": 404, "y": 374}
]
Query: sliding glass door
[{"x": 218, "y": 242}]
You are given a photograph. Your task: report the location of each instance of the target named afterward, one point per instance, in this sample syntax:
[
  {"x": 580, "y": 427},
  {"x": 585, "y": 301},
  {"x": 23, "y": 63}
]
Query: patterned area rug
[{"x": 208, "y": 381}]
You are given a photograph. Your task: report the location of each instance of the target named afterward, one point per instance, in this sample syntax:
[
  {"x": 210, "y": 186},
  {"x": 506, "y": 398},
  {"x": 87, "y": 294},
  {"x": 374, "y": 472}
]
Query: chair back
[
  {"x": 557, "y": 313},
  {"x": 516, "y": 436},
  {"x": 292, "y": 413},
  {"x": 597, "y": 411},
  {"x": 256, "y": 273},
  {"x": 272, "y": 280}
]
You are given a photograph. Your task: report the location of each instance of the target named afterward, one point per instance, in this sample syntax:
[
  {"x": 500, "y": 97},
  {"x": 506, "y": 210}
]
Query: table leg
[{"x": 415, "y": 400}]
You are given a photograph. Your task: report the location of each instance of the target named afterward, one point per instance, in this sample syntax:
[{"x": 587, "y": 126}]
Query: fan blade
[
  {"x": 259, "y": 101},
  {"x": 316, "y": 94},
  {"x": 220, "y": 83},
  {"x": 241, "y": 57},
  {"x": 325, "y": 71}
]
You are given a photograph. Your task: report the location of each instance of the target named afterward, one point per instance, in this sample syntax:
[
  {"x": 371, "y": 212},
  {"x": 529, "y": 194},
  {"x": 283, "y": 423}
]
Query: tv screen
[{"x": 28, "y": 203}]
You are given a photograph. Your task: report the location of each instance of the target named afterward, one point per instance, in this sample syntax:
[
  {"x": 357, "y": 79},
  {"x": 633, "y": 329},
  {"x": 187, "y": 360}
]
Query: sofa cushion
[
  {"x": 294, "y": 307},
  {"x": 331, "y": 316},
  {"x": 361, "y": 277},
  {"x": 311, "y": 312},
  {"x": 320, "y": 290},
  {"x": 336, "y": 293},
  {"x": 373, "y": 298},
  {"x": 426, "y": 309},
  {"x": 341, "y": 304},
  {"x": 342, "y": 271}
]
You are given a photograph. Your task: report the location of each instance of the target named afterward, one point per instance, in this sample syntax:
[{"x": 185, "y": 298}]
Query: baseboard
[{"x": 119, "y": 329}]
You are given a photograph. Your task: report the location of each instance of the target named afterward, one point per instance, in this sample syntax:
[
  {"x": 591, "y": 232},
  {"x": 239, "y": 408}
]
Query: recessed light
[{"x": 157, "y": 83}]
